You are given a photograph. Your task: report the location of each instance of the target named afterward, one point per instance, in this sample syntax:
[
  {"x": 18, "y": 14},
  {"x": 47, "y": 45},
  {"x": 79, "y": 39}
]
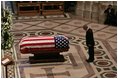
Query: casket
[
  {"x": 44, "y": 47},
  {"x": 43, "y": 44}
]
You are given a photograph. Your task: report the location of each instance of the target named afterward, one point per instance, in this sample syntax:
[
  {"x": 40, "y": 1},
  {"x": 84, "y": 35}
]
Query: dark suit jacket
[
  {"x": 112, "y": 13},
  {"x": 110, "y": 17},
  {"x": 89, "y": 37}
]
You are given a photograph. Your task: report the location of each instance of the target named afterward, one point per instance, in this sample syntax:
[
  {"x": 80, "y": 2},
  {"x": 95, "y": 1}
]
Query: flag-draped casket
[{"x": 44, "y": 44}]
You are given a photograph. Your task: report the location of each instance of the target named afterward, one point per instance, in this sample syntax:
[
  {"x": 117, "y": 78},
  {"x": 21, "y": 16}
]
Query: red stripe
[
  {"x": 34, "y": 44},
  {"x": 37, "y": 39}
]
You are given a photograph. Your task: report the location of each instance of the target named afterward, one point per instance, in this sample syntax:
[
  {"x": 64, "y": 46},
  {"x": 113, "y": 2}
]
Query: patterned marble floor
[{"x": 75, "y": 66}]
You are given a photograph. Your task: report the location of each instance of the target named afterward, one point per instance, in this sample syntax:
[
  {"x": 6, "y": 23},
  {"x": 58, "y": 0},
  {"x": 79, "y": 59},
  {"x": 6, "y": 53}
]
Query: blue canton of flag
[{"x": 61, "y": 41}]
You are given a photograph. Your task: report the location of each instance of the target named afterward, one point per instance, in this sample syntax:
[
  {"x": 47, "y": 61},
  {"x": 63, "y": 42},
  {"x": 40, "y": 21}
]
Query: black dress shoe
[{"x": 89, "y": 61}]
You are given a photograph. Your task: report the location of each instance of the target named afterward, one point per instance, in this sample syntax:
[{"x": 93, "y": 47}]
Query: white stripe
[
  {"x": 31, "y": 38},
  {"x": 37, "y": 41},
  {"x": 37, "y": 46},
  {"x": 41, "y": 37}
]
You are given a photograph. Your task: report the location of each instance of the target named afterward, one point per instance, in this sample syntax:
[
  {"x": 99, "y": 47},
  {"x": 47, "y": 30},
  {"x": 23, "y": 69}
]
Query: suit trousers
[{"x": 91, "y": 52}]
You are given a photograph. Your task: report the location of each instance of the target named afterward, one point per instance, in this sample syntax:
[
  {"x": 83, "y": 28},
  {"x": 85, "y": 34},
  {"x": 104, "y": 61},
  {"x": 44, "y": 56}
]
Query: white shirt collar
[{"x": 87, "y": 29}]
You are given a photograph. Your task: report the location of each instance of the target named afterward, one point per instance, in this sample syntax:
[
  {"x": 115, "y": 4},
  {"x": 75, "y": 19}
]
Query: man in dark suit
[
  {"x": 90, "y": 43},
  {"x": 110, "y": 15}
]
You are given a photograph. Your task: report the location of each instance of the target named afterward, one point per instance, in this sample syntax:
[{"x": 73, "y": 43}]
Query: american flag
[
  {"x": 61, "y": 42},
  {"x": 39, "y": 43}
]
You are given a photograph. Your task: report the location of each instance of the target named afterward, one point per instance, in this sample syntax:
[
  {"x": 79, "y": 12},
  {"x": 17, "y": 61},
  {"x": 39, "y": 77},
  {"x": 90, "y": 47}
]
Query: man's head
[
  {"x": 109, "y": 6},
  {"x": 85, "y": 27}
]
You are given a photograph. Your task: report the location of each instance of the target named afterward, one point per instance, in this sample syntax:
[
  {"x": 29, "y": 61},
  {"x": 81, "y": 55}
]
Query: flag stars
[{"x": 61, "y": 41}]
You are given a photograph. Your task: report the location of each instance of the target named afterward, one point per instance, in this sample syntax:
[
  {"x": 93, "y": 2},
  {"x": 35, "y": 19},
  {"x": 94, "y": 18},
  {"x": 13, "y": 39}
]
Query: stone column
[
  {"x": 87, "y": 10},
  {"x": 3, "y": 4},
  {"x": 95, "y": 12},
  {"x": 80, "y": 9}
]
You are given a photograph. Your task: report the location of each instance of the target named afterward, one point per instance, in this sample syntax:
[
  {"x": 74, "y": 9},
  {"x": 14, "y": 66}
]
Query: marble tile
[
  {"x": 113, "y": 45},
  {"x": 32, "y": 22},
  {"x": 96, "y": 26},
  {"x": 78, "y": 23},
  {"x": 48, "y": 24},
  {"x": 79, "y": 31},
  {"x": 29, "y": 71},
  {"x": 34, "y": 28},
  {"x": 110, "y": 29},
  {"x": 65, "y": 28},
  {"x": 102, "y": 35},
  {"x": 94, "y": 19},
  {"x": 114, "y": 39},
  {"x": 19, "y": 26},
  {"x": 60, "y": 21},
  {"x": 70, "y": 36}
]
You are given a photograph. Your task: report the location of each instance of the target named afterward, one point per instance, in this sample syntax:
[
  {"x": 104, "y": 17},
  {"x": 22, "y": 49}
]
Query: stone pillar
[
  {"x": 3, "y": 4},
  {"x": 87, "y": 10},
  {"x": 15, "y": 7},
  {"x": 95, "y": 12},
  {"x": 80, "y": 9}
]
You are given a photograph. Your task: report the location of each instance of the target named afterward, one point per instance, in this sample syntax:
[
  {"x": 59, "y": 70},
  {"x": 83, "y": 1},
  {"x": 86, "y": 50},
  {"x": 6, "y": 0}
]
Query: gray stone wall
[{"x": 93, "y": 11}]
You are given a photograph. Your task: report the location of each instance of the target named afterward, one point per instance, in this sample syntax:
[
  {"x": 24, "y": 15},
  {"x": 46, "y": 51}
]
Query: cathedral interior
[{"x": 48, "y": 19}]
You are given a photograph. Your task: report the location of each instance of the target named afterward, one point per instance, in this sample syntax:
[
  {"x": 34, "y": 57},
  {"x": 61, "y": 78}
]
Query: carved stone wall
[{"x": 93, "y": 11}]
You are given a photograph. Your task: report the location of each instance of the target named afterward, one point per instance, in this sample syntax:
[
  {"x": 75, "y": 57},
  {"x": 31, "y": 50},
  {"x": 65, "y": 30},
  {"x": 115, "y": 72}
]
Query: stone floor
[{"x": 75, "y": 66}]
